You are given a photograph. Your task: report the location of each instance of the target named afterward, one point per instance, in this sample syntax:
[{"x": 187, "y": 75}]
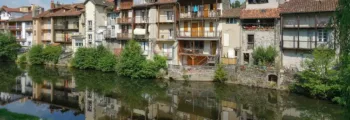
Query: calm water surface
[{"x": 65, "y": 94}]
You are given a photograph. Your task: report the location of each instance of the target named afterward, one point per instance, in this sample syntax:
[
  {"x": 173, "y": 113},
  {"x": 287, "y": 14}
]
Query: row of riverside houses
[
  {"x": 205, "y": 32},
  {"x": 18, "y": 21},
  {"x": 187, "y": 32}
]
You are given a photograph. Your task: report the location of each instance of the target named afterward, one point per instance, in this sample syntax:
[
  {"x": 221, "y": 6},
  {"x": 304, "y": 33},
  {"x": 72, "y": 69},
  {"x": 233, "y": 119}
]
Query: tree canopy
[{"x": 8, "y": 47}]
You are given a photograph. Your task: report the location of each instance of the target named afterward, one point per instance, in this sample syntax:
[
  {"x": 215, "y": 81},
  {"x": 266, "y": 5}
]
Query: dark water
[{"x": 65, "y": 94}]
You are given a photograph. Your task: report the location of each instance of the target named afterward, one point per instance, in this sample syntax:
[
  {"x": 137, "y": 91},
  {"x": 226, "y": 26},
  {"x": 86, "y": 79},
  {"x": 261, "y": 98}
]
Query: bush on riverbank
[
  {"x": 40, "y": 55},
  {"x": 220, "y": 74},
  {"x": 8, "y": 47},
  {"x": 94, "y": 58},
  {"x": 22, "y": 58},
  {"x": 320, "y": 78},
  {"x": 133, "y": 64},
  {"x": 264, "y": 56},
  {"x": 36, "y": 55}
]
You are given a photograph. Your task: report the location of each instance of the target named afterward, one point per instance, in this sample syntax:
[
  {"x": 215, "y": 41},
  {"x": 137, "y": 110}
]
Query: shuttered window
[
  {"x": 211, "y": 29},
  {"x": 186, "y": 26}
]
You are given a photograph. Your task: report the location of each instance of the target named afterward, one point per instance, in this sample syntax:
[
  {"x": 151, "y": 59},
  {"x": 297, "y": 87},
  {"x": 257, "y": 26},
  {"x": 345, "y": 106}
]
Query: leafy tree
[
  {"x": 85, "y": 58},
  {"x": 342, "y": 25},
  {"x": 220, "y": 74},
  {"x": 107, "y": 62},
  {"x": 263, "y": 56},
  {"x": 8, "y": 47},
  {"x": 319, "y": 79},
  {"x": 236, "y": 4},
  {"x": 52, "y": 53},
  {"x": 131, "y": 60},
  {"x": 36, "y": 55}
]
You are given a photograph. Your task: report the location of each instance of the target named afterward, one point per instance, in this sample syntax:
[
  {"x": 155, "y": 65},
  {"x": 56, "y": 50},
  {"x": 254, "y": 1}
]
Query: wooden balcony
[
  {"x": 141, "y": 20},
  {"x": 199, "y": 34},
  {"x": 124, "y": 36},
  {"x": 66, "y": 27},
  {"x": 14, "y": 27},
  {"x": 124, "y": 20},
  {"x": 258, "y": 26},
  {"x": 302, "y": 45},
  {"x": 213, "y": 14}
]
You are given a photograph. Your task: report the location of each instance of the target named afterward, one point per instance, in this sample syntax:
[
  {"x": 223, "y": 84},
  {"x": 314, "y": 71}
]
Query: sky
[{"x": 43, "y": 3}]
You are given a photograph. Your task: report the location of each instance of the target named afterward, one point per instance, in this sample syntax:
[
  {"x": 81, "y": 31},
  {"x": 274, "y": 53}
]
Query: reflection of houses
[
  {"x": 24, "y": 85},
  {"x": 99, "y": 106},
  {"x": 305, "y": 29},
  {"x": 60, "y": 93},
  {"x": 6, "y": 98}
]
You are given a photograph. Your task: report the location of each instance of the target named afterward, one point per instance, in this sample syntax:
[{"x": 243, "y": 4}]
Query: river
[{"x": 34, "y": 92}]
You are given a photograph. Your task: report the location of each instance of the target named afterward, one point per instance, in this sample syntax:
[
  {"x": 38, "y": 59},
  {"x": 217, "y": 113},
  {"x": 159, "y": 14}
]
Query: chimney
[{"x": 52, "y": 5}]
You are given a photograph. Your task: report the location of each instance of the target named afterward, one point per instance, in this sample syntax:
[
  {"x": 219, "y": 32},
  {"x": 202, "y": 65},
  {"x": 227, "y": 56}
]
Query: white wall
[
  {"x": 270, "y": 4},
  {"x": 292, "y": 59}
]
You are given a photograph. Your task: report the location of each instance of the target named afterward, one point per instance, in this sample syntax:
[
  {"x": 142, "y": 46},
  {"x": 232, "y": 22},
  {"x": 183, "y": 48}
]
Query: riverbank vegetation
[
  {"x": 220, "y": 74},
  {"x": 320, "y": 78},
  {"x": 8, "y": 47},
  {"x": 94, "y": 58},
  {"x": 131, "y": 63},
  {"x": 264, "y": 56},
  {"x": 40, "y": 55}
]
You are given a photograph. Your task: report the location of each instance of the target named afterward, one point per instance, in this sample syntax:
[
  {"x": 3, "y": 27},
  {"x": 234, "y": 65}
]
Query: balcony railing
[
  {"x": 19, "y": 38},
  {"x": 166, "y": 19},
  {"x": 63, "y": 39},
  {"x": 166, "y": 36},
  {"x": 293, "y": 44},
  {"x": 199, "y": 34},
  {"x": 29, "y": 27},
  {"x": 258, "y": 26},
  {"x": 124, "y": 20},
  {"x": 192, "y": 50},
  {"x": 15, "y": 27},
  {"x": 201, "y": 14},
  {"x": 146, "y": 36},
  {"x": 3, "y": 26},
  {"x": 142, "y": 2},
  {"x": 63, "y": 26},
  {"x": 141, "y": 19},
  {"x": 124, "y": 35},
  {"x": 110, "y": 33}
]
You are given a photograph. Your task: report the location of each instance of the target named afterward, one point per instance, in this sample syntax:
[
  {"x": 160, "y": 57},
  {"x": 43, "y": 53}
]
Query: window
[
  {"x": 90, "y": 105},
  {"x": 183, "y": 9},
  {"x": 144, "y": 47},
  {"x": 250, "y": 42},
  {"x": 211, "y": 27},
  {"x": 236, "y": 53},
  {"x": 90, "y": 25},
  {"x": 169, "y": 15},
  {"x": 143, "y": 16},
  {"x": 34, "y": 32},
  {"x": 170, "y": 33},
  {"x": 186, "y": 26},
  {"x": 78, "y": 44},
  {"x": 90, "y": 37},
  {"x": 258, "y": 1},
  {"x": 322, "y": 35},
  {"x": 231, "y": 21}
]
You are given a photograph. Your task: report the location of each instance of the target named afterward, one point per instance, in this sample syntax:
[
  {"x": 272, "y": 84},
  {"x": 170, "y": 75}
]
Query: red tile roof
[
  {"x": 235, "y": 12},
  {"x": 260, "y": 13},
  {"x": 64, "y": 10},
  {"x": 10, "y": 9},
  {"x": 304, "y": 6}
]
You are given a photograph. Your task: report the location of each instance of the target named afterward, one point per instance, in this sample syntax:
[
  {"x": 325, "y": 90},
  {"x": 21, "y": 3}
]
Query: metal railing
[
  {"x": 14, "y": 27},
  {"x": 124, "y": 35},
  {"x": 63, "y": 26},
  {"x": 201, "y": 14},
  {"x": 110, "y": 33},
  {"x": 199, "y": 33},
  {"x": 192, "y": 50},
  {"x": 166, "y": 19},
  {"x": 293, "y": 44},
  {"x": 146, "y": 36},
  {"x": 124, "y": 20}
]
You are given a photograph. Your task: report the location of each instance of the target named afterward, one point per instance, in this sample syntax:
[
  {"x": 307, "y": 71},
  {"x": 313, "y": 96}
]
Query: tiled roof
[
  {"x": 107, "y": 3},
  {"x": 303, "y": 6},
  {"x": 64, "y": 10},
  {"x": 24, "y": 18},
  {"x": 260, "y": 13},
  {"x": 235, "y": 12},
  {"x": 10, "y": 9}
]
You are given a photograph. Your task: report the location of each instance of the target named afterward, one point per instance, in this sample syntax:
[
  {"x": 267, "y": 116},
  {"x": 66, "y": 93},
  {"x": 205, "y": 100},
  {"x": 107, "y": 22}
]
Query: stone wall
[{"x": 190, "y": 73}]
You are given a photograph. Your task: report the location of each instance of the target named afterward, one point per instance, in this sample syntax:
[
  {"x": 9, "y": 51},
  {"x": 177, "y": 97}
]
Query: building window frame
[
  {"x": 90, "y": 25},
  {"x": 250, "y": 41},
  {"x": 169, "y": 15},
  {"x": 323, "y": 35}
]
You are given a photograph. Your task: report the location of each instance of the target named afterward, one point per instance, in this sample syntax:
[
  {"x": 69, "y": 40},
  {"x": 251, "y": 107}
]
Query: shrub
[
  {"x": 22, "y": 58},
  {"x": 220, "y": 74},
  {"x": 52, "y": 53},
  {"x": 107, "y": 62},
  {"x": 131, "y": 60},
  {"x": 264, "y": 56},
  {"x": 85, "y": 58},
  {"x": 36, "y": 55},
  {"x": 8, "y": 47}
]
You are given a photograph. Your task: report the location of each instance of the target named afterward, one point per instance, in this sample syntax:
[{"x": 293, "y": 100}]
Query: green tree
[
  {"x": 236, "y": 4},
  {"x": 107, "y": 62},
  {"x": 320, "y": 79},
  {"x": 342, "y": 25},
  {"x": 220, "y": 74},
  {"x": 85, "y": 58},
  {"x": 36, "y": 55},
  {"x": 52, "y": 53},
  {"x": 263, "y": 56},
  {"x": 131, "y": 60},
  {"x": 8, "y": 47}
]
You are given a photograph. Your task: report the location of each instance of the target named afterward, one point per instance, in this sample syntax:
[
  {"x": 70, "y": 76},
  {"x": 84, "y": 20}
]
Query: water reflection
[{"x": 104, "y": 96}]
